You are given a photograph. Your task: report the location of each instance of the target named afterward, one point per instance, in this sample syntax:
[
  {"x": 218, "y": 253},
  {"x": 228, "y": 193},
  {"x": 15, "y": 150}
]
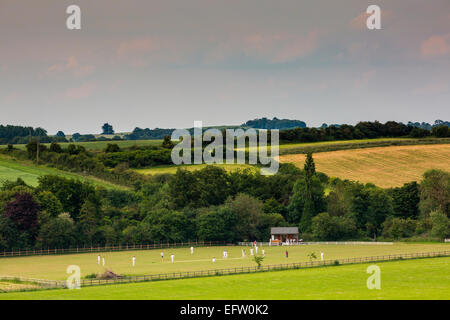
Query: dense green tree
[
  {"x": 107, "y": 129},
  {"x": 249, "y": 212},
  {"x": 167, "y": 142},
  {"x": 58, "y": 232},
  {"x": 9, "y": 185},
  {"x": 440, "y": 225},
  {"x": 89, "y": 221},
  {"x": 55, "y": 147},
  {"x": 339, "y": 199},
  {"x": 76, "y": 136},
  {"x": 49, "y": 203},
  {"x": 217, "y": 224},
  {"x": 329, "y": 228},
  {"x": 112, "y": 147},
  {"x": 435, "y": 192},
  {"x": 405, "y": 200},
  {"x": 71, "y": 193},
  {"x": 10, "y": 236},
  {"x": 166, "y": 225},
  {"x": 442, "y": 131},
  {"x": 32, "y": 148},
  {"x": 213, "y": 185},
  {"x": 309, "y": 167},
  {"x": 397, "y": 228},
  {"x": 306, "y": 201},
  {"x": 273, "y": 206},
  {"x": 183, "y": 189},
  {"x": 370, "y": 207}
]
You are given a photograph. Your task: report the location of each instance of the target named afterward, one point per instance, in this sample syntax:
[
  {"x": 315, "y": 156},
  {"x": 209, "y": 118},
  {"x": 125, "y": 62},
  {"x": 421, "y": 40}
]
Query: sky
[{"x": 166, "y": 64}]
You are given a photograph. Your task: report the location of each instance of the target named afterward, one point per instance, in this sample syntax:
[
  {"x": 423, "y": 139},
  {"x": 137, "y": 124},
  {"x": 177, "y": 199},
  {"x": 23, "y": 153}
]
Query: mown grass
[
  {"x": 408, "y": 279},
  {"x": 385, "y": 166},
  {"x": 149, "y": 261},
  {"x": 11, "y": 169}
]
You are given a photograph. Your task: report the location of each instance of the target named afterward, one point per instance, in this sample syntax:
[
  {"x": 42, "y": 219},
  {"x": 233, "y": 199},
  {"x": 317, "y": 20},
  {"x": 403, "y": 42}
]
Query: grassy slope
[
  {"x": 412, "y": 279},
  {"x": 149, "y": 261},
  {"x": 384, "y": 166},
  {"x": 29, "y": 172}
]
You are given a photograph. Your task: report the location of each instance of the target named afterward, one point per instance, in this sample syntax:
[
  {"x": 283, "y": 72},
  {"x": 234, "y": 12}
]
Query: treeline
[
  {"x": 148, "y": 134},
  {"x": 20, "y": 135},
  {"x": 363, "y": 130},
  {"x": 211, "y": 204},
  {"x": 275, "y": 123},
  {"x": 427, "y": 126}
]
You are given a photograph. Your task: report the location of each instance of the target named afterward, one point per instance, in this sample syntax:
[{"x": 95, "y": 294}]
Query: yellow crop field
[{"x": 384, "y": 166}]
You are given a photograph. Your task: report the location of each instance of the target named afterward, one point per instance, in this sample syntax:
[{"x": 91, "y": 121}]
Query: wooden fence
[
  {"x": 161, "y": 245},
  {"x": 231, "y": 271},
  {"x": 316, "y": 242}
]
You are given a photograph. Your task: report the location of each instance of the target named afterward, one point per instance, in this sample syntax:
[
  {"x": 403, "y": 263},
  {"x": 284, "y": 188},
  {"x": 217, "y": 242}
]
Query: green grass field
[
  {"x": 408, "y": 279},
  {"x": 149, "y": 261},
  {"x": 101, "y": 145},
  {"x": 11, "y": 169}
]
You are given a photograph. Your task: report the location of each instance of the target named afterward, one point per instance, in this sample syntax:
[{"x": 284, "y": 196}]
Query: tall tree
[
  {"x": 435, "y": 192},
  {"x": 107, "y": 129},
  {"x": 309, "y": 167},
  {"x": 405, "y": 200}
]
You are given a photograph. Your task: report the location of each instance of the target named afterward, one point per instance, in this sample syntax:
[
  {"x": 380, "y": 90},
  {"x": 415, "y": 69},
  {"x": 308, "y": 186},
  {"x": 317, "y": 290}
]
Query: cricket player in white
[
  {"x": 256, "y": 249},
  {"x": 263, "y": 253},
  {"x": 251, "y": 251},
  {"x": 172, "y": 257},
  {"x": 321, "y": 256},
  {"x": 214, "y": 260},
  {"x": 98, "y": 258},
  {"x": 192, "y": 250},
  {"x": 134, "y": 260},
  {"x": 103, "y": 261},
  {"x": 243, "y": 253},
  {"x": 224, "y": 254},
  {"x": 162, "y": 256}
]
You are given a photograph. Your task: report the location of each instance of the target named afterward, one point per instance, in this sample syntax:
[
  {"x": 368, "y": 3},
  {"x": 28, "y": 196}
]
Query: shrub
[{"x": 440, "y": 225}]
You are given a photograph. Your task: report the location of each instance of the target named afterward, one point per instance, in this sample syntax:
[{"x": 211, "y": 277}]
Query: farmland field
[
  {"x": 173, "y": 168},
  {"x": 101, "y": 145},
  {"x": 11, "y": 169},
  {"x": 324, "y": 146},
  {"x": 149, "y": 261},
  {"x": 408, "y": 279},
  {"x": 385, "y": 166}
]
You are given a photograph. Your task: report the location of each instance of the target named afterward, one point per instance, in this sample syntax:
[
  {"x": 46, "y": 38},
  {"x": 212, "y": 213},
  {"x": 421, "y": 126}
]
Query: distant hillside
[{"x": 275, "y": 123}]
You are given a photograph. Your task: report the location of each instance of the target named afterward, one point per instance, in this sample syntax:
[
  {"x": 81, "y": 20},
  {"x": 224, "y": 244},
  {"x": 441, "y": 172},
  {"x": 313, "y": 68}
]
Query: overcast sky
[{"x": 167, "y": 63}]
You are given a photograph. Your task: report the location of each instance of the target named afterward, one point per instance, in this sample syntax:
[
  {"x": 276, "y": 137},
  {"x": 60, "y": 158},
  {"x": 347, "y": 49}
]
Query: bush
[
  {"x": 440, "y": 225},
  {"x": 325, "y": 227},
  {"x": 399, "y": 228}
]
